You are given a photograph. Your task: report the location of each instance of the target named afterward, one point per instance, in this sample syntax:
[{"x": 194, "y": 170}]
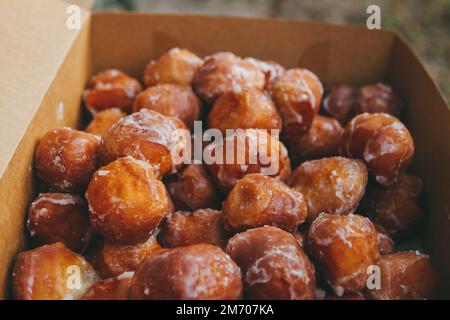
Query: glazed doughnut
[
  {"x": 322, "y": 140},
  {"x": 65, "y": 159},
  {"x": 177, "y": 66},
  {"x": 273, "y": 265},
  {"x": 103, "y": 120},
  {"x": 255, "y": 151},
  {"x": 405, "y": 276},
  {"x": 299, "y": 237},
  {"x": 126, "y": 200},
  {"x": 339, "y": 102},
  {"x": 149, "y": 136},
  {"x": 186, "y": 228},
  {"x": 111, "y": 259},
  {"x": 51, "y": 272},
  {"x": 258, "y": 200},
  {"x": 378, "y": 98},
  {"x": 117, "y": 288},
  {"x": 343, "y": 248},
  {"x": 297, "y": 93},
  {"x": 170, "y": 100},
  {"x": 111, "y": 89},
  {"x": 383, "y": 142},
  {"x": 224, "y": 72},
  {"x": 244, "y": 109},
  {"x": 59, "y": 217},
  {"x": 196, "y": 272},
  {"x": 395, "y": 208},
  {"x": 193, "y": 189},
  {"x": 330, "y": 185},
  {"x": 271, "y": 69},
  {"x": 385, "y": 242}
]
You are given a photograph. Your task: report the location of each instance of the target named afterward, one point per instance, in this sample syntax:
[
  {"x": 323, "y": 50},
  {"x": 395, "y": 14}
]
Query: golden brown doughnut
[
  {"x": 244, "y": 109},
  {"x": 200, "y": 226},
  {"x": 196, "y": 272},
  {"x": 273, "y": 265},
  {"x": 383, "y": 142},
  {"x": 59, "y": 217},
  {"x": 51, "y": 272},
  {"x": 224, "y": 72},
  {"x": 405, "y": 276},
  {"x": 170, "y": 100},
  {"x": 258, "y": 200},
  {"x": 111, "y": 89},
  {"x": 331, "y": 185},
  {"x": 177, "y": 66},
  {"x": 103, "y": 120},
  {"x": 255, "y": 151},
  {"x": 343, "y": 248},
  {"x": 65, "y": 159},
  {"x": 149, "y": 136},
  {"x": 126, "y": 200}
]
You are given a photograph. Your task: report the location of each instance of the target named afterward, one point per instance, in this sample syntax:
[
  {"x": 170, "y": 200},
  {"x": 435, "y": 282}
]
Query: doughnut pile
[{"x": 118, "y": 218}]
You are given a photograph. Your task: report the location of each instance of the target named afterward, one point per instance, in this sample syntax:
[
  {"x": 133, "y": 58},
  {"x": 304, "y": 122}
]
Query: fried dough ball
[
  {"x": 271, "y": 69},
  {"x": 330, "y": 185},
  {"x": 383, "y": 142},
  {"x": 117, "y": 288},
  {"x": 111, "y": 89},
  {"x": 395, "y": 208},
  {"x": 360, "y": 129},
  {"x": 244, "y": 109},
  {"x": 322, "y": 140},
  {"x": 297, "y": 93},
  {"x": 51, "y": 272},
  {"x": 177, "y": 66},
  {"x": 170, "y": 100},
  {"x": 224, "y": 72},
  {"x": 186, "y": 228},
  {"x": 111, "y": 259},
  {"x": 65, "y": 159},
  {"x": 385, "y": 243},
  {"x": 103, "y": 121},
  {"x": 299, "y": 237},
  {"x": 193, "y": 189},
  {"x": 196, "y": 272},
  {"x": 405, "y": 276},
  {"x": 258, "y": 200},
  {"x": 126, "y": 200},
  {"x": 59, "y": 217},
  {"x": 343, "y": 247},
  {"x": 149, "y": 136},
  {"x": 255, "y": 151},
  {"x": 273, "y": 265},
  {"x": 378, "y": 98},
  {"x": 339, "y": 102}
]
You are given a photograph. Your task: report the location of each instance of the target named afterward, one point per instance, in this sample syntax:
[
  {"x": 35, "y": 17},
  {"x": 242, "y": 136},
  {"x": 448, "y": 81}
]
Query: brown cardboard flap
[
  {"x": 427, "y": 117},
  {"x": 344, "y": 53},
  {"x": 44, "y": 69},
  {"x": 34, "y": 43}
]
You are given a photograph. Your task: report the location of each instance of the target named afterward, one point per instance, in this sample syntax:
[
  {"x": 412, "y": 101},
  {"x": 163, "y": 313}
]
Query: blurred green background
[{"x": 425, "y": 23}]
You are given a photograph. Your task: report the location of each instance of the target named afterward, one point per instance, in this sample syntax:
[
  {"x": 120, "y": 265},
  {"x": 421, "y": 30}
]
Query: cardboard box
[{"x": 45, "y": 66}]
